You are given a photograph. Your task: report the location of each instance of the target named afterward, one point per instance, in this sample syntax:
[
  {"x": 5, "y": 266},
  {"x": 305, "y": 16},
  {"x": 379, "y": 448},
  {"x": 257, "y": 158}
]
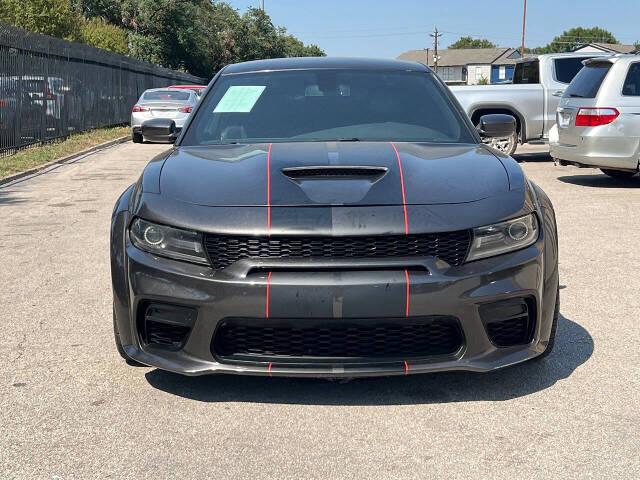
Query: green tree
[
  {"x": 51, "y": 17},
  {"x": 575, "y": 37},
  {"x": 98, "y": 33},
  {"x": 469, "y": 42},
  {"x": 197, "y": 36}
]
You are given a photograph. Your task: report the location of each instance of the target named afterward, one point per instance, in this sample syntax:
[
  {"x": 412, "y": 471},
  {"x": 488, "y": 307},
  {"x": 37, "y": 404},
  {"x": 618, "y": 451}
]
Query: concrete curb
[{"x": 31, "y": 171}]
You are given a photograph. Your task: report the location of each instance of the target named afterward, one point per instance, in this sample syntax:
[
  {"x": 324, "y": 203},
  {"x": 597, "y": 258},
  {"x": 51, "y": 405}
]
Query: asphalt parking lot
[{"x": 71, "y": 408}]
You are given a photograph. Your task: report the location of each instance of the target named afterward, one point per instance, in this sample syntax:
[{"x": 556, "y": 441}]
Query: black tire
[
  {"x": 116, "y": 334},
  {"x": 136, "y": 137},
  {"x": 508, "y": 149},
  {"x": 619, "y": 174},
  {"x": 554, "y": 329}
]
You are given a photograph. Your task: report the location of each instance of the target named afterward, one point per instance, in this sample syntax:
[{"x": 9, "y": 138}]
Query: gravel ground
[{"x": 71, "y": 408}]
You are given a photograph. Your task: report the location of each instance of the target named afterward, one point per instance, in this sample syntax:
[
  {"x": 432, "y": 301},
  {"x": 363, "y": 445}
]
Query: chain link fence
[{"x": 50, "y": 88}]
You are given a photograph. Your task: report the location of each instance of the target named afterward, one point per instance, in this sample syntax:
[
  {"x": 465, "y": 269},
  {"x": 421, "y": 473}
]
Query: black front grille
[
  {"x": 344, "y": 340},
  {"x": 451, "y": 247},
  {"x": 509, "y": 322}
]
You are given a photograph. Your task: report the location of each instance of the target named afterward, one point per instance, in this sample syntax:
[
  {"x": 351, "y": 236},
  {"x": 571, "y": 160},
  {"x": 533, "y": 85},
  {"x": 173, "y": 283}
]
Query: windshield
[
  {"x": 588, "y": 80},
  {"x": 327, "y": 105},
  {"x": 166, "y": 95},
  {"x": 526, "y": 73},
  {"x": 567, "y": 68}
]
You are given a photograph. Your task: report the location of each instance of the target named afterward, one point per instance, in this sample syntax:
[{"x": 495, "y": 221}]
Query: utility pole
[
  {"x": 262, "y": 5},
  {"x": 524, "y": 22},
  {"x": 435, "y": 36}
]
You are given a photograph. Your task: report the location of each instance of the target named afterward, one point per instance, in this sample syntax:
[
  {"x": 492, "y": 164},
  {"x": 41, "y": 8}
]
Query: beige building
[
  {"x": 468, "y": 66},
  {"x": 605, "y": 47}
]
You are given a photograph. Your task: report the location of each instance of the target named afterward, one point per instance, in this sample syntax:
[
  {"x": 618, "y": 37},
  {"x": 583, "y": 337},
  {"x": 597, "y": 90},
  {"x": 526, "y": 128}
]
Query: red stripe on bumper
[
  {"x": 406, "y": 276},
  {"x": 266, "y": 308}
]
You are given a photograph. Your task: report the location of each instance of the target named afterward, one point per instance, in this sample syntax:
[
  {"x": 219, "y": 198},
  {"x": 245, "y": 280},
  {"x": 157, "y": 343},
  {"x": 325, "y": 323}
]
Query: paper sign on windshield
[{"x": 239, "y": 99}]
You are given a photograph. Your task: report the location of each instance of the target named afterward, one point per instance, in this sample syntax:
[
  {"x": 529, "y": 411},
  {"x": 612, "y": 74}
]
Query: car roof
[
  {"x": 616, "y": 58},
  {"x": 529, "y": 57},
  {"x": 308, "y": 63}
]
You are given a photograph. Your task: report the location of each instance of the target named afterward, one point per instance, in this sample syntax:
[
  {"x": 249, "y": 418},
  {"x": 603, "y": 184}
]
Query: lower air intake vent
[
  {"x": 509, "y": 322},
  {"x": 166, "y": 326},
  {"x": 345, "y": 340}
]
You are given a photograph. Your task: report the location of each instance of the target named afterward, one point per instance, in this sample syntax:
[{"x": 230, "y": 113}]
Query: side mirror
[
  {"x": 497, "y": 125},
  {"x": 159, "y": 129}
]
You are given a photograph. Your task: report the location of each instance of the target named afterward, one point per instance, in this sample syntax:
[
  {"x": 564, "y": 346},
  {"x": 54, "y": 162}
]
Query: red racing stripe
[
  {"x": 404, "y": 197},
  {"x": 270, "y": 364},
  {"x": 266, "y": 313},
  {"x": 406, "y": 276},
  {"x": 406, "y": 368},
  {"x": 269, "y": 189}
]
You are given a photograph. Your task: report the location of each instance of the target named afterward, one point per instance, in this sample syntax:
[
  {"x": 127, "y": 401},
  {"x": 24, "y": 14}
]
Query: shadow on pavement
[
  {"x": 533, "y": 157},
  {"x": 573, "y": 347},
  {"x": 601, "y": 181},
  {"x": 7, "y": 199}
]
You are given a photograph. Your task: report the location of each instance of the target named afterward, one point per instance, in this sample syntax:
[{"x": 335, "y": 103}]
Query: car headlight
[
  {"x": 168, "y": 241},
  {"x": 503, "y": 237}
]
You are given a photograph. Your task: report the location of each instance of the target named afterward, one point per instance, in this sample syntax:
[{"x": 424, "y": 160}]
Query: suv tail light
[
  {"x": 185, "y": 109},
  {"x": 48, "y": 94},
  {"x": 138, "y": 108},
  {"x": 592, "y": 117}
]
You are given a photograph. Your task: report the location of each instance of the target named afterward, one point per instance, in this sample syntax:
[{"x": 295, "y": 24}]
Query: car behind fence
[{"x": 50, "y": 87}]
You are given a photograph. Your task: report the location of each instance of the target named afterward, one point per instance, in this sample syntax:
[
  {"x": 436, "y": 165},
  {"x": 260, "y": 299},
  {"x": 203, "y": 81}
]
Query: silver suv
[{"x": 598, "y": 118}]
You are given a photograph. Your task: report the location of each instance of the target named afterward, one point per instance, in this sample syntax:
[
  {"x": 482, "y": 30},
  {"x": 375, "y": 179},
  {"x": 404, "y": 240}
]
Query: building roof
[
  {"x": 464, "y": 56},
  {"x": 302, "y": 63},
  {"x": 609, "y": 47}
]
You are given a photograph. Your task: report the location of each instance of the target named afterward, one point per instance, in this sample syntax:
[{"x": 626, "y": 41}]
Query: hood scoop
[{"x": 334, "y": 172}]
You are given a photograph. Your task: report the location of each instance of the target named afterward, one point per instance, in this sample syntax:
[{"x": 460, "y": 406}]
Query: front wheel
[
  {"x": 136, "y": 137},
  {"x": 620, "y": 174},
  {"x": 119, "y": 347},
  {"x": 554, "y": 329}
]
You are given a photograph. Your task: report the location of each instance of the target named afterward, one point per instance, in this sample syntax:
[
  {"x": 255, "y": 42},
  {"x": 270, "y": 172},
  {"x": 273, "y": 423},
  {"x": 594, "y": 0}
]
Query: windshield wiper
[
  {"x": 354, "y": 139},
  {"x": 576, "y": 95}
]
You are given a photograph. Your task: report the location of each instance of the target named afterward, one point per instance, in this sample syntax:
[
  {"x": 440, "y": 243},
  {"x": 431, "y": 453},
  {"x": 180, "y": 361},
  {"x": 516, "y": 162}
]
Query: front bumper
[{"x": 384, "y": 293}]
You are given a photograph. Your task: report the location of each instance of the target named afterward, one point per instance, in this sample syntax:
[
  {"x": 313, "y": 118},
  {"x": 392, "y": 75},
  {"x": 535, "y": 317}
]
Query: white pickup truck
[{"x": 538, "y": 83}]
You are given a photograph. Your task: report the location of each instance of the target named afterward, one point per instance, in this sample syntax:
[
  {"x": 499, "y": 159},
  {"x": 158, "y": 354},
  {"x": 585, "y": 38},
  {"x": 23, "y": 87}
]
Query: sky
[{"x": 388, "y": 28}]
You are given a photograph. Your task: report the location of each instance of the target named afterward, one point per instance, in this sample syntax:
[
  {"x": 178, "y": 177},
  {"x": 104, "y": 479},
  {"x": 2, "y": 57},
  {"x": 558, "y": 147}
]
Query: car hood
[{"x": 332, "y": 174}]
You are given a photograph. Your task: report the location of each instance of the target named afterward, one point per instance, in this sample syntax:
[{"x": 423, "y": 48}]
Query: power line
[{"x": 524, "y": 22}]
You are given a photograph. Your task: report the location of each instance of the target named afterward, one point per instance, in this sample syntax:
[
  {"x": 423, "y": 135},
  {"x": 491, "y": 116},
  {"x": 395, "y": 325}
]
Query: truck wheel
[
  {"x": 506, "y": 145},
  {"x": 620, "y": 174}
]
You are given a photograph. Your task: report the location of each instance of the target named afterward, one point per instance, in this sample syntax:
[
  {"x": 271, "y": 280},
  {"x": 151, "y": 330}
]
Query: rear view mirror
[
  {"x": 159, "y": 129},
  {"x": 497, "y": 125}
]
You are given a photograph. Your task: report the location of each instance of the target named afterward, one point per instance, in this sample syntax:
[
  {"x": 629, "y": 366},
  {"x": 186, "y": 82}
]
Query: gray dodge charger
[{"x": 337, "y": 218}]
